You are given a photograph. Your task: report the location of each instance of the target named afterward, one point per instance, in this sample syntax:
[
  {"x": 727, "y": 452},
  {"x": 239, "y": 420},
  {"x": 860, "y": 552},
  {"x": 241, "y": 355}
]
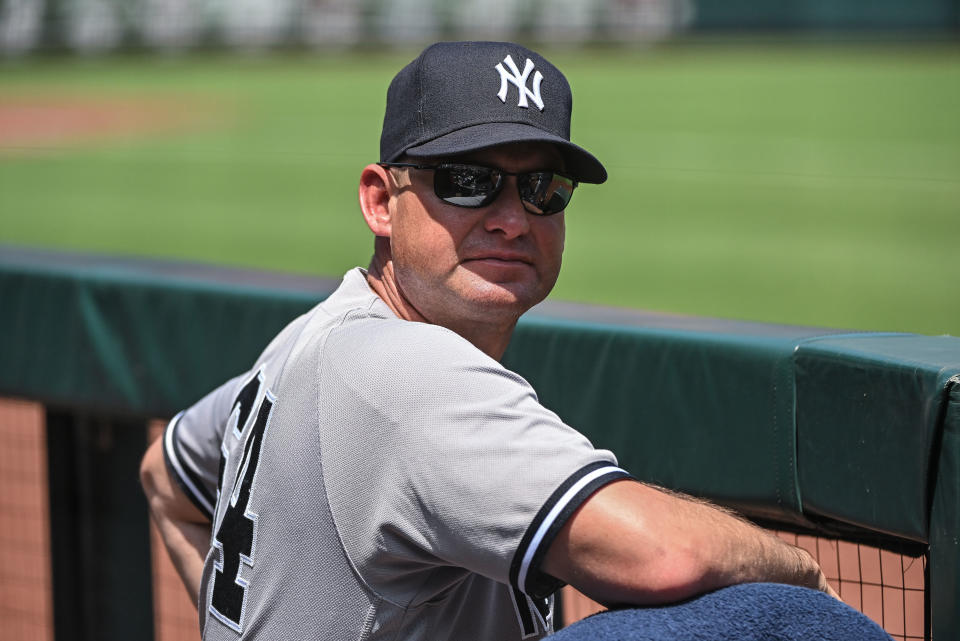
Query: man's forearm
[
  {"x": 187, "y": 544},
  {"x": 737, "y": 551},
  {"x": 184, "y": 529},
  {"x": 632, "y": 543}
]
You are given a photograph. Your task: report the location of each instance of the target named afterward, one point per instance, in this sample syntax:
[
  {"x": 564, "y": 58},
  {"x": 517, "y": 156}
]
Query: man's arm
[
  {"x": 631, "y": 543},
  {"x": 185, "y": 530}
]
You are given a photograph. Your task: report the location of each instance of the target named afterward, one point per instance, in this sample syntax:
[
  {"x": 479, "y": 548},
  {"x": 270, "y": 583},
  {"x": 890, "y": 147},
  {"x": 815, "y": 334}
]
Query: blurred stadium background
[
  {"x": 792, "y": 162},
  {"x": 104, "y": 25},
  {"x": 787, "y": 162}
]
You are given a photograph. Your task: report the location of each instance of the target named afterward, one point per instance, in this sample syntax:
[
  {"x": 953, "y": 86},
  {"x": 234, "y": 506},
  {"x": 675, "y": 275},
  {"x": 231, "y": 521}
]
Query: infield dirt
[{"x": 38, "y": 123}]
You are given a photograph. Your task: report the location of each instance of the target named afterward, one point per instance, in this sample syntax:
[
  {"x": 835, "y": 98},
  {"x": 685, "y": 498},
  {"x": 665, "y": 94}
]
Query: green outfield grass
[{"x": 805, "y": 184}]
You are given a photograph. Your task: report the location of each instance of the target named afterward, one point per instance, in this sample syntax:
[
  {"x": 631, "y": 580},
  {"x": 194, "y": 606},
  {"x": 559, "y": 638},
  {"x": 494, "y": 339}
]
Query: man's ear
[{"x": 375, "y": 189}]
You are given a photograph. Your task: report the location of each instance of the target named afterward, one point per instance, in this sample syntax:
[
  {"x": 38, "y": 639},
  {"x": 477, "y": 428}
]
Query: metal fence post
[{"x": 99, "y": 530}]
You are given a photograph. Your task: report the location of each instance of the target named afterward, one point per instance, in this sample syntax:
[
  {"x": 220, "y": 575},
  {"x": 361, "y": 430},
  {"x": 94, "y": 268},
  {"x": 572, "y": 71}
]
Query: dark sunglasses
[{"x": 542, "y": 192}]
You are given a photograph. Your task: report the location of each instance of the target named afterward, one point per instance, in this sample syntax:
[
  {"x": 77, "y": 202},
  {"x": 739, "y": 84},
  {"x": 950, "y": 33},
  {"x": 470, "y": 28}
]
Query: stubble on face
[{"x": 485, "y": 266}]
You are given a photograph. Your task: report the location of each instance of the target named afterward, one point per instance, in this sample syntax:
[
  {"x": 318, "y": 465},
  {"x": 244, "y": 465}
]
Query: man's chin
[
  {"x": 510, "y": 297},
  {"x": 510, "y": 291}
]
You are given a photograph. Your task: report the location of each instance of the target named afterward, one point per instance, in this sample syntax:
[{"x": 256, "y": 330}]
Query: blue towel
[{"x": 748, "y": 612}]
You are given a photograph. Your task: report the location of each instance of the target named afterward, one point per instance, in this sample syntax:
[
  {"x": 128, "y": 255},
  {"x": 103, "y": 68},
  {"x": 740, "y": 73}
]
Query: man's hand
[
  {"x": 184, "y": 529},
  {"x": 631, "y": 543},
  {"x": 821, "y": 580}
]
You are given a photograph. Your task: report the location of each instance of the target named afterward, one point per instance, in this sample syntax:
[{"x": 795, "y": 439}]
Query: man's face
[{"x": 457, "y": 265}]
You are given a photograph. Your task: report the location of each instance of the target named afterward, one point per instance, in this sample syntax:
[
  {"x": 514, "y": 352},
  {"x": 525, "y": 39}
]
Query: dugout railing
[{"x": 846, "y": 442}]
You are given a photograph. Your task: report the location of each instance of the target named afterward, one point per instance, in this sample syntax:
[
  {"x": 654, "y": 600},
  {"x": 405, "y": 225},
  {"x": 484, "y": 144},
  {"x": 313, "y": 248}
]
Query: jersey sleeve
[
  {"x": 457, "y": 463},
  {"x": 192, "y": 441}
]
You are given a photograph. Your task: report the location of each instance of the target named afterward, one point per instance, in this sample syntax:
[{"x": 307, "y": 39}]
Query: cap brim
[{"x": 580, "y": 163}]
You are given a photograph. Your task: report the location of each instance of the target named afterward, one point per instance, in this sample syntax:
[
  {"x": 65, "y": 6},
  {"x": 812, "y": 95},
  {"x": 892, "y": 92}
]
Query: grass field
[{"x": 801, "y": 183}]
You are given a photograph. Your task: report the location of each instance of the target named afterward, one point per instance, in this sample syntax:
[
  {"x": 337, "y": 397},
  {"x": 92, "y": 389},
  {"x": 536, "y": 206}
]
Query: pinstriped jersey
[{"x": 376, "y": 478}]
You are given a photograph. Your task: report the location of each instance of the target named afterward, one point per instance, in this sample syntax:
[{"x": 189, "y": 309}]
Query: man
[{"x": 377, "y": 474}]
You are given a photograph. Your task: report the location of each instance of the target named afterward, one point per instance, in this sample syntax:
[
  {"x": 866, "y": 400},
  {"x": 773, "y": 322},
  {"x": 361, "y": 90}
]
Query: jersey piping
[
  {"x": 550, "y": 519},
  {"x": 186, "y": 479}
]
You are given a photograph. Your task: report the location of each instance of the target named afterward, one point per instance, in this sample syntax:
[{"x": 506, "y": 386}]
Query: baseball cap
[{"x": 457, "y": 97}]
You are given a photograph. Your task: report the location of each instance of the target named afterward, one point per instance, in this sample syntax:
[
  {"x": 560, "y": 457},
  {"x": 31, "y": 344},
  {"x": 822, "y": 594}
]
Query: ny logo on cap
[{"x": 520, "y": 80}]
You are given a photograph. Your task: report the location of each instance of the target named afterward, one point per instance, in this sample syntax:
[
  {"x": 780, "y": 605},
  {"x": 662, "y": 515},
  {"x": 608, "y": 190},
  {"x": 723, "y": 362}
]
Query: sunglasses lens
[
  {"x": 544, "y": 192},
  {"x": 466, "y": 185}
]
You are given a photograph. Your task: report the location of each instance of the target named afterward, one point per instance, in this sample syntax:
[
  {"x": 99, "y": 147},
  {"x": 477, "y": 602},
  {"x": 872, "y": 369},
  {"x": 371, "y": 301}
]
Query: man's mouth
[{"x": 500, "y": 257}]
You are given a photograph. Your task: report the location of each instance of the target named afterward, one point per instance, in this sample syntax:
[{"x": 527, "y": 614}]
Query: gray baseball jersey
[{"x": 376, "y": 478}]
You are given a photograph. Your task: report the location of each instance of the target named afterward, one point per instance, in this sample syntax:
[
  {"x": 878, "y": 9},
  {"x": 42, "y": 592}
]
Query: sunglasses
[{"x": 542, "y": 192}]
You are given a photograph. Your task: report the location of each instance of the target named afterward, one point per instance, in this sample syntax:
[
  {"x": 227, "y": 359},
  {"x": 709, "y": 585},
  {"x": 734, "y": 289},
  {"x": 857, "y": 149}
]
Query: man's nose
[{"x": 506, "y": 214}]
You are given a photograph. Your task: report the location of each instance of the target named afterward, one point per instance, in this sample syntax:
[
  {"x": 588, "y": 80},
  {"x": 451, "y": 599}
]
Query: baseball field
[{"x": 796, "y": 183}]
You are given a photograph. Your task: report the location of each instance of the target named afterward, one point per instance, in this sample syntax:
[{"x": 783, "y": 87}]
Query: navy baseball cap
[{"x": 457, "y": 97}]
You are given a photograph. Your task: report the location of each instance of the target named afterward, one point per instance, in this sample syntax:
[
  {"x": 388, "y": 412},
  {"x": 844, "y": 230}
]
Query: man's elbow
[
  {"x": 148, "y": 469},
  {"x": 658, "y": 579},
  {"x": 682, "y": 574},
  {"x": 163, "y": 496}
]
